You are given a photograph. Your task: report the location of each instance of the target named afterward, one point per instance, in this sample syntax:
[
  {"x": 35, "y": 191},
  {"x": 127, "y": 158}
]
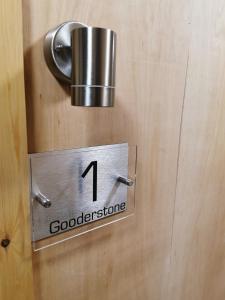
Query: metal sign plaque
[{"x": 71, "y": 188}]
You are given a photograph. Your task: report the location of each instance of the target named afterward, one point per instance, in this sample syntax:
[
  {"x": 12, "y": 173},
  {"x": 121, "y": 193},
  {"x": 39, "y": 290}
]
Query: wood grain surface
[
  {"x": 15, "y": 259},
  {"x": 130, "y": 259},
  {"x": 198, "y": 256},
  {"x": 170, "y": 103}
]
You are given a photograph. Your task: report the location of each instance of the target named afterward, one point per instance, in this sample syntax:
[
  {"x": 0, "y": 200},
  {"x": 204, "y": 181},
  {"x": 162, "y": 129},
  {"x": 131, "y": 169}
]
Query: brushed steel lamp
[{"x": 83, "y": 57}]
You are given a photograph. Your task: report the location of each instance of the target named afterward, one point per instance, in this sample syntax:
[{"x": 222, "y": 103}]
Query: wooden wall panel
[
  {"x": 15, "y": 260},
  {"x": 198, "y": 255},
  {"x": 130, "y": 259}
]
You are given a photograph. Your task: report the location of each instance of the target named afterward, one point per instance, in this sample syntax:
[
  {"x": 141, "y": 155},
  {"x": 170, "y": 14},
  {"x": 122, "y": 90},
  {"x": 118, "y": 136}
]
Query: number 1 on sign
[{"x": 94, "y": 165}]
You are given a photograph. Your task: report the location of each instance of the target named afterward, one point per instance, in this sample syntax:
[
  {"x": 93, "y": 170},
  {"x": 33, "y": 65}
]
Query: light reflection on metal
[{"x": 84, "y": 57}]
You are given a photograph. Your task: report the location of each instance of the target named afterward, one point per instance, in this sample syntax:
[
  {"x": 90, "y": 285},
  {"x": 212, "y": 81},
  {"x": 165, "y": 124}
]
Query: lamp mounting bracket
[{"x": 58, "y": 51}]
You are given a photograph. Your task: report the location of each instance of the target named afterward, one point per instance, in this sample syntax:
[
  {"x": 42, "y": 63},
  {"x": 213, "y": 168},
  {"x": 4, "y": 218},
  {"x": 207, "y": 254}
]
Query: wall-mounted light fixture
[{"x": 83, "y": 57}]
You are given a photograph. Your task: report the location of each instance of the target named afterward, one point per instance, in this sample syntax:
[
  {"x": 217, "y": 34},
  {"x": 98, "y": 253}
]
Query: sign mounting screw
[
  {"x": 44, "y": 201},
  {"x": 126, "y": 181}
]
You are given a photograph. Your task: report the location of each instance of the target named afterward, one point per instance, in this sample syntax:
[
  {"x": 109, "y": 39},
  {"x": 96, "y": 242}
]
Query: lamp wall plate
[
  {"x": 58, "y": 50},
  {"x": 83, "y": 57}
]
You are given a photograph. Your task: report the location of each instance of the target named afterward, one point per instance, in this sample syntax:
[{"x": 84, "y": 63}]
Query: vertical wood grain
[
  {"x": 130, "y": 259},
  {"x": 198, "y": 247},
  {"x": 15, "y": 260},
  {"x": 170, "y": 102}
]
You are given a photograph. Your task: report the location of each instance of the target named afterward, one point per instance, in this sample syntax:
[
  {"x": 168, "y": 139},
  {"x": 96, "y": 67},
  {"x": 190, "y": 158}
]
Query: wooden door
[
  {"x": 198, "y": 256},
  {"x": 128, "y": 260},
  {"x": 15, "y": 236},
  {"x": 170, "y": 103}
]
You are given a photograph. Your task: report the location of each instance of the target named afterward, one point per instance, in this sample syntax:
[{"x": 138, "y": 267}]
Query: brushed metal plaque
[{"x": 82, "y": 185}]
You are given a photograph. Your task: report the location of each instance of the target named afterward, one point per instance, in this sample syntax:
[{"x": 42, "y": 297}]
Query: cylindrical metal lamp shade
[{"x": 93, "y": 67}]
